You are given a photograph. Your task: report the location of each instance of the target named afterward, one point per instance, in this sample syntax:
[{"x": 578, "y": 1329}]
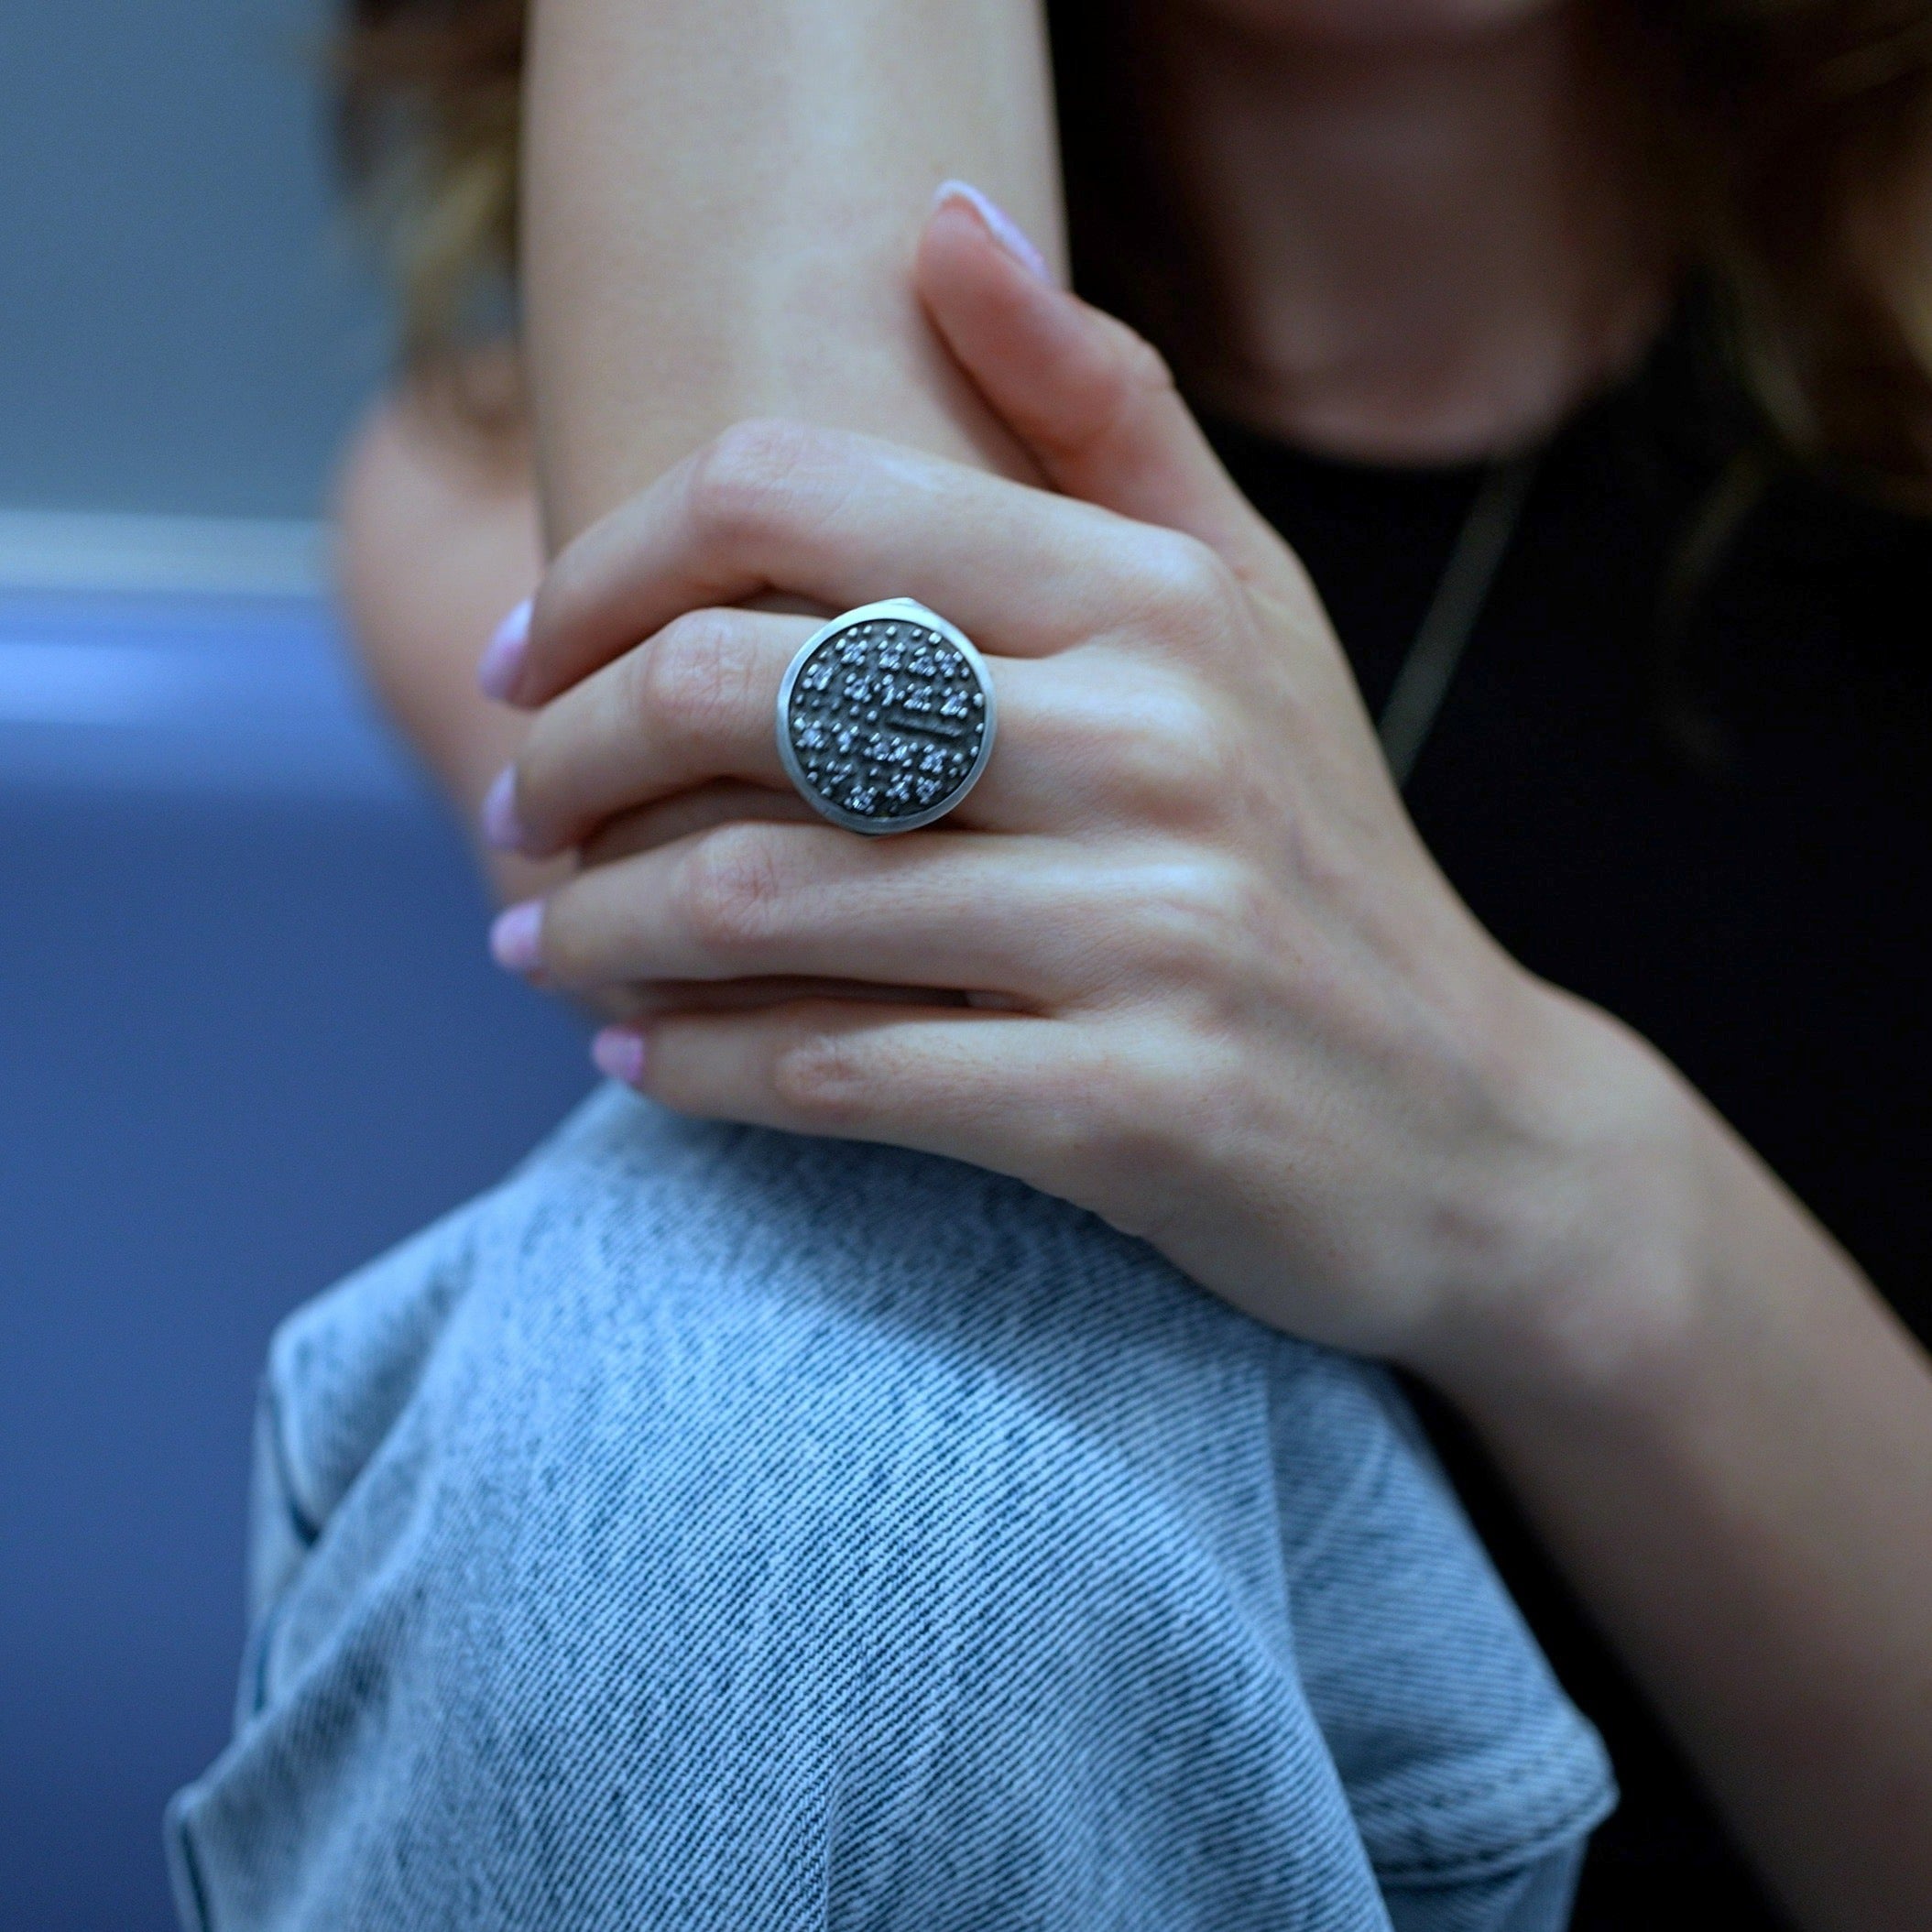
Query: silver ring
[{"x": 885, "y": 718}]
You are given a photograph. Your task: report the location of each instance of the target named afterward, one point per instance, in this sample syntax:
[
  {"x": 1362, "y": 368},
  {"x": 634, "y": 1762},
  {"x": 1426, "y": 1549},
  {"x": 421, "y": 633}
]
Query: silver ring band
[{"x": 885, "y": 718}]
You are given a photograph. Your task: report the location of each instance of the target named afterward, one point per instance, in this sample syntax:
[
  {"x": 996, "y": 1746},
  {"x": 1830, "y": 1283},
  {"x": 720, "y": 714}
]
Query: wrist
[{"x": 1591, "y": 1278}]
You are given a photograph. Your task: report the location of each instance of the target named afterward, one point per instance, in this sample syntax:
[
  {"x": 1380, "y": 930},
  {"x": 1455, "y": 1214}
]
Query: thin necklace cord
[{"x": 1427, "y": 672}]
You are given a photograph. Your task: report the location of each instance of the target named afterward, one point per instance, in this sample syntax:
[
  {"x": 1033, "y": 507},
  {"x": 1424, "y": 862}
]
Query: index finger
[{"x": 839, "y": 520}]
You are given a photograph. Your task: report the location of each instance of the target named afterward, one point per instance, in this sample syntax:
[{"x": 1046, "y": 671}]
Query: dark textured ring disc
[{"x": 885, "y": 718}]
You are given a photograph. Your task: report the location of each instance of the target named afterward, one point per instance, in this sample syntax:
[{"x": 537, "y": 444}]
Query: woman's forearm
[
  {"x": 721, "y": 201},
  {"x": 1727, "y": 1440}
]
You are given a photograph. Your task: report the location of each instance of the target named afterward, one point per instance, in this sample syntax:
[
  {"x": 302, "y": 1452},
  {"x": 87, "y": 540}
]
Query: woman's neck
[{"x": 1428, "y": 253}]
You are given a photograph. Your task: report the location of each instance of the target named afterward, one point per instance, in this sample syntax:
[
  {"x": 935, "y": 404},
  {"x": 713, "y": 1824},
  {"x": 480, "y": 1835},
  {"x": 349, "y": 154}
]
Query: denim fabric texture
[{"x": 710, "y": 1528}]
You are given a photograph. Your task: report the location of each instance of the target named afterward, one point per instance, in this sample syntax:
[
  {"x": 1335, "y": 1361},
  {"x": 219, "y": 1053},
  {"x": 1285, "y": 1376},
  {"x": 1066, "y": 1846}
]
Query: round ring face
[{"x": 886, "y": 720}]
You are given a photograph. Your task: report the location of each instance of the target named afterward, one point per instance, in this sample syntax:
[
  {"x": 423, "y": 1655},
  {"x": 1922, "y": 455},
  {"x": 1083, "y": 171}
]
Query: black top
[{"x": 1708, "y": 816}]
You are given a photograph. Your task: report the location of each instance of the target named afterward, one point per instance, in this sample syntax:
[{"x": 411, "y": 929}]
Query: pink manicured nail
[
  {"x": 999, "y": 225},
  {"x": 517, "y": 937},
  {"x": 502, "y": 662},
  {"x": 502, "y": 829},
  {"x": 618, "y": 1054}
]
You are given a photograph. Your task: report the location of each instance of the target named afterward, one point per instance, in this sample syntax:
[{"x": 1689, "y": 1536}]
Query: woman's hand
[
  {"x": 1180, "y": 957},
  {"x": 1183, "y": 960}
]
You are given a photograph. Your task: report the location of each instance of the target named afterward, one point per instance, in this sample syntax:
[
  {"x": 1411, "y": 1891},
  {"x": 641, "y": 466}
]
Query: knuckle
[
  {"x": 568, "y": 586},
  {"x": 1193, "y": 756},
  {"x": 538, "y": 764},
  {"x": 741, "y": 481},
  {"x": 1143, "y": 370},
  {"x": 1180, "y": 590},
  {"x": 1108, "y": 1118},
  {"x": 1112, "y": 389},
  {"x": 1196, "y": 912},
  {"x": 568, "y": 957},
  {"x": 694, "y": 677},
  {"x": 732, "y": 888},
  {"x": 1230, "y": 907},
  {"x": 1189, "y": 580},
  {"x": 1166, "y": 756},
  {"x": 822, "y": 1077},
  {"x": 1126, "y": 1118}
]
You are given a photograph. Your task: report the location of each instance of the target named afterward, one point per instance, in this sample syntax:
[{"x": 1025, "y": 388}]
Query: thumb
[{"x": 1091, "y": 400}]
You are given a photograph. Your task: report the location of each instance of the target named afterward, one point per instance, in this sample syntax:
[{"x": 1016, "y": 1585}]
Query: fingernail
[
  {"x": 502, "y": 829},
  {"x": 999, "y": 225},
  {"x": 517, "y": 937},
  {"x": 502, "y": 662},
  {"x": 618, "y": 1053}
]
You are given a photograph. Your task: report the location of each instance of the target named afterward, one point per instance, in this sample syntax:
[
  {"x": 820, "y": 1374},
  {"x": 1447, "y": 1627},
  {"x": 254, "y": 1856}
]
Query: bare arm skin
[
  {"x": 436, "y": 538},
  {"x": 721, "y": 205},
  {"x": 1726, "y": 1439}
]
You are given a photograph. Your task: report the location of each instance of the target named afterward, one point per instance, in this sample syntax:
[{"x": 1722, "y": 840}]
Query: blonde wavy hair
[{"x": 1798, "y": 135}]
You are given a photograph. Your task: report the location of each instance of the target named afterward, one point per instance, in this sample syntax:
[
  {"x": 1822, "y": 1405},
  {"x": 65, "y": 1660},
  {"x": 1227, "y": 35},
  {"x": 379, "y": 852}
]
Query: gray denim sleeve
[
  {"x": 717, "y": 1529},
  {"x": 1535, "y": 1899},
  {"x": 1474, "y": 1782}
]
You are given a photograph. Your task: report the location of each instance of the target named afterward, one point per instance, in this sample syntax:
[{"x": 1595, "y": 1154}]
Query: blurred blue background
[{"x": 247, "y": 1035}]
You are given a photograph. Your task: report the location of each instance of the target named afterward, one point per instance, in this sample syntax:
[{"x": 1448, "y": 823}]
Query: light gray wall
[{"x": 184, "y": 326}]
